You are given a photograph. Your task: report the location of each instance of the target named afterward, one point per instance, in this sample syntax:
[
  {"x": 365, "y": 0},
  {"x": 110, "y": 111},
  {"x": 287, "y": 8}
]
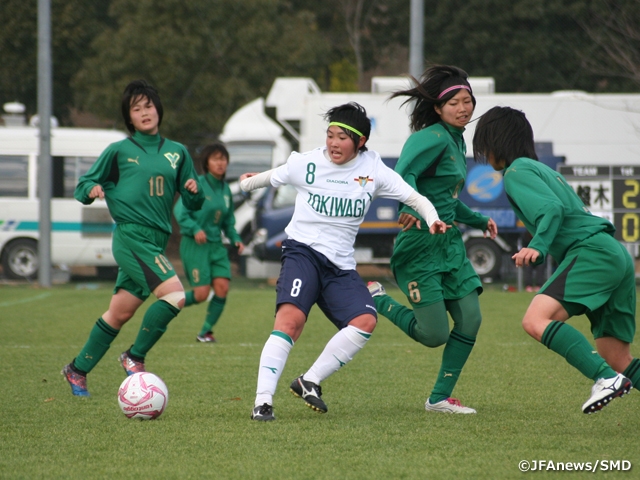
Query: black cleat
[
  {"x": 310, "y": 393},
  {"x": 263, "y": 413}
]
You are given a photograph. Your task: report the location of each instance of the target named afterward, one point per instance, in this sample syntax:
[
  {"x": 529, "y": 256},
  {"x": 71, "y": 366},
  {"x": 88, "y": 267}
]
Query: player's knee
[
  {"x": 430, "y": 338},
  {"x": 471, "y": 324},
  {"x": 200, "y": 294},
  {"x": 532, "y": 326},
  {"x": 175, "y": 299},
  {"x": 221, "y": 289},
  {"x": 366, "y": 323},
  {"x": 120, "y": 318}
]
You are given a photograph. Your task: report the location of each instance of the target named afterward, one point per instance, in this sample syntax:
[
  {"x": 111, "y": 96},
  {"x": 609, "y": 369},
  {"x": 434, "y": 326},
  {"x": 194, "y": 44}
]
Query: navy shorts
[{"x": 308, "y": 277}]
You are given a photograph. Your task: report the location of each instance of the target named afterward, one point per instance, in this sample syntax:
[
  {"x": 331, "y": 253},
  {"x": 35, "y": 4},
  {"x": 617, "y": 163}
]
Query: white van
[{"x": 80, "y": 234}]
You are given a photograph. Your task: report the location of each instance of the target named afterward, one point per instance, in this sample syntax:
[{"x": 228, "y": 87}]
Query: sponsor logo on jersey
[
  {"x": 362, "y": 181},
  {"x": 341, "y": 182},
  {"x": 337, "y": 206},
  {"x": 173, "y": 159},
  {"x": 133, "y": 160}
]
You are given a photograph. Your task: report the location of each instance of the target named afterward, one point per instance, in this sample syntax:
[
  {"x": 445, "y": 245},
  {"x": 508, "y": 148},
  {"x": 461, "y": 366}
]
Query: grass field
[{"x": 528, "y": 400}]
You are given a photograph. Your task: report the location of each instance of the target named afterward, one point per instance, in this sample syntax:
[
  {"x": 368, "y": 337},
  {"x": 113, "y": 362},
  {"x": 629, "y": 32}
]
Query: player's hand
[
  {"x": 191, "y": 185},
  {"x": 97, "y": 192},
  {"x": 407, "y": 221},
  {"x": 439, "y": 227},
  {"x": 526, "y": 256},
  {"x": 492, "y": 229},
  {"x": 244, "y": 176},
  {"x": 240, "y": 247},
  {"x": 200, "y": 237},
  {"x": 247, "y": 175}
]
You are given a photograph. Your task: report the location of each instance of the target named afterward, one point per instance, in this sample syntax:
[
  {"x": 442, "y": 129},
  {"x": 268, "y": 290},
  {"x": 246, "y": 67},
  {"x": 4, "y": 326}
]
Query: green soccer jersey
[
  {"x": 433, "y": 161},
  {"x": 549, "y": 208},
  {"x": 215, "y": 216},
  {"x": 140, "y": 177}
]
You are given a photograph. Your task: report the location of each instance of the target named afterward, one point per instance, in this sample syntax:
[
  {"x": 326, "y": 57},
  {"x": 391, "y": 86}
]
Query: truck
[
  {"x": 80, "y": 234},
  {"x": 574, "y": 129}
]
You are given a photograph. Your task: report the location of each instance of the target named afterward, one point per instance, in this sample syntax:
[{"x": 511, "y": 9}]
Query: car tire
[
  {"x": 485, "y": 257},
  {"x": 20, "y": 259}
]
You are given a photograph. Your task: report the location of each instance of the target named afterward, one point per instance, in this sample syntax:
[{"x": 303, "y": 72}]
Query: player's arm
[
  {"x": 391, "y": 185},
  {"x": 274, "y": 177},
  {"x": 229, "y": 224},
  {"x": 188, "y": 184},
  {"x": 540, "y": 206},
  {"x": 90, "y": 185},
  {"x": 463, "y": 214},
  {"x": 186, "y": 219},
  {"x": 419, "y": 155}
]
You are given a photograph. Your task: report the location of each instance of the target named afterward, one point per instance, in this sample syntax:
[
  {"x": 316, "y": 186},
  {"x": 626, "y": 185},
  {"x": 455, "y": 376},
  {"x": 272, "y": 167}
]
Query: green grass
[{"x": 528, "y": 400}]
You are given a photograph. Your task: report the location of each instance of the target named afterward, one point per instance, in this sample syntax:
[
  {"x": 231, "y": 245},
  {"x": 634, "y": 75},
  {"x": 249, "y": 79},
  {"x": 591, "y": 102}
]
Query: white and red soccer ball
[{"x": 143, "y": 395}]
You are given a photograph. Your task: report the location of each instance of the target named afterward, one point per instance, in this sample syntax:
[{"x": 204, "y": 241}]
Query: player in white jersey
[{"x": 336, "y": 185}]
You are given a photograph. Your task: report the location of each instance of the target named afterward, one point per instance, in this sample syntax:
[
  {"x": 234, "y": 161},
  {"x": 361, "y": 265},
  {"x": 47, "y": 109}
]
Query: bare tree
[
  {"x": 356, "y": 15},
  {"x": 613, "y": 26}
]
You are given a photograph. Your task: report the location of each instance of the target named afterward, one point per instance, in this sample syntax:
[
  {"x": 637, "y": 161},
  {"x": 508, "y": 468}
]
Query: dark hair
[
  {"x": 216, "y": 147},
  {"x": 354, "y": 115},
  {"x": 132, "y": 93},
  {"x": 504, "y": 132},
  {"x": 426, "y": 93}
]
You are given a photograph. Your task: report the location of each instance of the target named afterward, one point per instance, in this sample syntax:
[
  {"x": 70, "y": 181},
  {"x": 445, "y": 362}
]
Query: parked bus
[{"x": 80, "y": 234}]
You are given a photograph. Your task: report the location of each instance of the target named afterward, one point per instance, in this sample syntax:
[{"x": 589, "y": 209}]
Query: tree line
[{"x": 209, "y": 57}]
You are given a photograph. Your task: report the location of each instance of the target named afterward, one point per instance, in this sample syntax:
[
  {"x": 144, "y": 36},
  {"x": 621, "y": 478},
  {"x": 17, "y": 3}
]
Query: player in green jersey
[
  {"x": 433, "y": 270},
  {"x": 595, "y": 274},
  {"x": 138, "y": 177},
  {"x": 204, "y": 256}
]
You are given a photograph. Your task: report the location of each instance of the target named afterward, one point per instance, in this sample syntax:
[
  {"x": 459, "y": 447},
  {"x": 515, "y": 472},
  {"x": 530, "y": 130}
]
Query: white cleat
[
  {"x": 605, "y": 390},
  {"x": 376, "y": 289},
  {"x": 448, "y": 405}
]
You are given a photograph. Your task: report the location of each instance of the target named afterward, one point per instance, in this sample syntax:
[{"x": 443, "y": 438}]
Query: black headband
[{"x": 453, "y": 83}]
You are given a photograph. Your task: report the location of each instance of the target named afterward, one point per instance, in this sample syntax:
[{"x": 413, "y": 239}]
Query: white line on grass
[{"x": 25, "y": 300}]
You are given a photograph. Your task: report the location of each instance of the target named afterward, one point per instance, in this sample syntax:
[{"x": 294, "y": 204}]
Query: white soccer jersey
[{"x": 333, "y": 199}]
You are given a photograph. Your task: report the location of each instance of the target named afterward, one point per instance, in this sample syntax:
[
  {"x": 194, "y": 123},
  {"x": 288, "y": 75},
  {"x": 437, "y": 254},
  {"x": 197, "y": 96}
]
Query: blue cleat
[{"x": 77, "y": 381}]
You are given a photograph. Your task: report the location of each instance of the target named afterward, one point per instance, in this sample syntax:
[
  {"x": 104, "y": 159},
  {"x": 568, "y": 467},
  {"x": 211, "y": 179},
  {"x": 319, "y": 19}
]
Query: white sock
[
  {"x": 272, "y": 361},
  {"x": 339, "y": 351}
]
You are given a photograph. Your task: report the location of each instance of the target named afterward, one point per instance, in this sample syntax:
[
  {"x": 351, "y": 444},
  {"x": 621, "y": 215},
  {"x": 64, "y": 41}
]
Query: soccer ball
[{"x": 143, "y": 395}]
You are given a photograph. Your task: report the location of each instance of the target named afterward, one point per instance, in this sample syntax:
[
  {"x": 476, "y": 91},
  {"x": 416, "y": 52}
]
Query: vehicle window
[
  {"x": 246, "y": 158},
  {"x": 74, "y": 168},
  {"x": 14, "y": 176},
  {"x": 285, "y": 197}
]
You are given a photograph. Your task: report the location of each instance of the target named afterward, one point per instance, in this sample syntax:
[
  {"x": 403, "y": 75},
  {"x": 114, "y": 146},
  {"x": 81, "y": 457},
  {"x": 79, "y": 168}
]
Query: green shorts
[
  {"x": 597, "y": 278},
  {"x": 203, "y": 262},
  {"x": 431, "y": 268},
  {"x": 139, "y": 252}
]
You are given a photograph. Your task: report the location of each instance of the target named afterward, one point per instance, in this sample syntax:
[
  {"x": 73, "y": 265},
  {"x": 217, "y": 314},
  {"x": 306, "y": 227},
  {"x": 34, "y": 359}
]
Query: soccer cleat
[
  {"x": 605, "y": 390},
  {"x": 376, "y": 289},
  {"x": 448, "y": 405},
  {"x": 77, "y": 381},
  {"x": 310, "y": 393},
  {"x": 130, "y": 365},
  {"x": 263, "y": 413},
  {"x": 206, "y": 338}
]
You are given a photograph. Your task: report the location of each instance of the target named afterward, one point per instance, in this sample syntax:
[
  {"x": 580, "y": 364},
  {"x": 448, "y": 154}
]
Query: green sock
[
  {"x": 154, "y": 324},
  {"x": 455, "y": 355},
  {"x": 568, "y": 342},
  {"x": 99, "y": 341},
  {"x": 190, "y": 298},
  {"x": 214, "y": 310},
  {"x": 401, "y": 316},
  {"x": 632, "y": 372}
]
